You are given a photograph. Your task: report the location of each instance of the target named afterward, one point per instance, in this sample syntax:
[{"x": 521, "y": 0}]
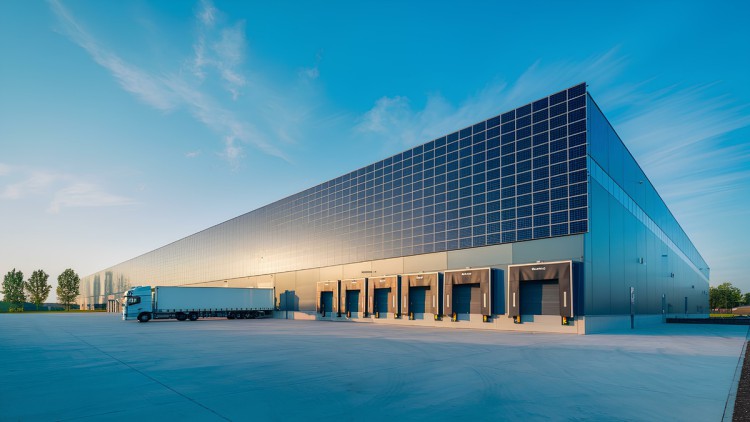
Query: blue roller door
[
  {"x": 381, "y": 301},
  {"x": 417, "y": 298},
  {"x": 327, "y": 300},
  {"x": 352, "y": 300},
  {"x": 462, "y": 298},
  {"x": 540, "y": 297}
]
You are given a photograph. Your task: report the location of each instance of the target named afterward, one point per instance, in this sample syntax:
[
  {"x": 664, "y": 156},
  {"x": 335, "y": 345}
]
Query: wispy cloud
[
  {"x": 85, "y": 195},
  {"x": 62, "y": 190},
  {"x": 679, "y": 135},
  {"x": 146, "y": 87},
  {"x": 393, "y": 119},
  {"x": 29, "y": 183},
  {"x": 218, "y": 50},
  {"x": 312, "y": 73},
  {"x": 192, "y": 154}
]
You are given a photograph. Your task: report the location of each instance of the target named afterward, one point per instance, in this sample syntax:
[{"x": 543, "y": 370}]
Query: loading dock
[
  {"x": 383, "y": 296},
  {"x": 544, "y": 288},
  {"x": 328, "y": 297},
  {"x": 468, "y": 292},
  {"x": 353, "y": 300},
  {"x": 420, "y": 295}
]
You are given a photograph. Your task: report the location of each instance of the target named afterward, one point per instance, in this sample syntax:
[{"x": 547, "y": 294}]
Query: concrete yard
[{"x": 96, "y": 366}]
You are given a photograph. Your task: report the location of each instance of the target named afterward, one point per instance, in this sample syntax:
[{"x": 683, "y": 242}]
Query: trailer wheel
[
  {"x": 144, "y": 317},
  {"x": 193, "y": 316},
  {"x": 181, "y": 316}
]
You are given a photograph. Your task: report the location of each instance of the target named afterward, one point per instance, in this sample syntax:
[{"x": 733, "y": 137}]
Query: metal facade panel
[{"x": 495, "y": 255}]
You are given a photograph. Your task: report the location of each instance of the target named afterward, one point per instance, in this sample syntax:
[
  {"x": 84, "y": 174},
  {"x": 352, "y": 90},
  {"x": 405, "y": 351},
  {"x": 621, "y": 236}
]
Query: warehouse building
[{"x": 536, "y": 219}]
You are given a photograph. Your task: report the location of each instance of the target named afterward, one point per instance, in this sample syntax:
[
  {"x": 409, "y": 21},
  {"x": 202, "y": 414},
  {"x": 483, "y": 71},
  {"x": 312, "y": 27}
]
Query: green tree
[
  {"x": 746, "y": 299},
  {"x": 724, "y": 296},
  {"x": 68, "y": 284},
  {"x": 13, "y": 290},
  {"x": 38, "y": 288}
]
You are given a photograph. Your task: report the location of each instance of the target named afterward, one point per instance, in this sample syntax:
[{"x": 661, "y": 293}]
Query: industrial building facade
[{"x": 536, "y": 219}]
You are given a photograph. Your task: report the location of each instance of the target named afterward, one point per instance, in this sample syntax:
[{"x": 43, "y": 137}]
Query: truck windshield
[{"x": 132, "y": 300}]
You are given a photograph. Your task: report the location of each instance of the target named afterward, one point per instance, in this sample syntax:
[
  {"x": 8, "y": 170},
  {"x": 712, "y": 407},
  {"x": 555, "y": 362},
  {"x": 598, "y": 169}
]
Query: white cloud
[
  {"x": 218, "y": 50},
  {"x": 207, "y": 15},
  {"x": 5, "y": 169},
  {"x": 312, "y": 73},
  {"x": 81, "y": 194},
  {"x": 393, "y": 120},
  {"x": 192, "y": 154},
  {"x": 31, "y": 183},
  {"x": 146, "y": 87},
  {"x": 679, "y": 137},
  {"x": 63, "y": 190}
]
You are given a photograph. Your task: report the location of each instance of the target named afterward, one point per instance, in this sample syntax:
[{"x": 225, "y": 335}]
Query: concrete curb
[{"x": 729, "y": 405}]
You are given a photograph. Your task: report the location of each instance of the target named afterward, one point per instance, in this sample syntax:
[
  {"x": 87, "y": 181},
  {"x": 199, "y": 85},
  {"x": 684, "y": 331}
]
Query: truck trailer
[{"x": 145, "y": 303}]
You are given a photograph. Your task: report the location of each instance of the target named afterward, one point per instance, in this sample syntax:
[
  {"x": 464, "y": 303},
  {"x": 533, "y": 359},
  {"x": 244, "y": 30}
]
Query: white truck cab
[{"x": 137, "y": 301}]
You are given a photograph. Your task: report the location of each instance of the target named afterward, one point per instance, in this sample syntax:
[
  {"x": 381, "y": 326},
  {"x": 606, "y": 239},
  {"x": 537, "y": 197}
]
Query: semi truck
[{"x": 144, "y": 303}]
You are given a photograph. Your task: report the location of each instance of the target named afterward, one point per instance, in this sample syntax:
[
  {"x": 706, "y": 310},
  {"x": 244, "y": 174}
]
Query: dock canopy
[{"x": 530, "y": 285}]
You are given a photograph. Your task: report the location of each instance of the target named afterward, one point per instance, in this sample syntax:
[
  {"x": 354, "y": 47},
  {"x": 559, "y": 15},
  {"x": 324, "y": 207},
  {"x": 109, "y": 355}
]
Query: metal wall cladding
[
  {"x": 634, "y": 240},
  {"x": 517, "y": 176}
]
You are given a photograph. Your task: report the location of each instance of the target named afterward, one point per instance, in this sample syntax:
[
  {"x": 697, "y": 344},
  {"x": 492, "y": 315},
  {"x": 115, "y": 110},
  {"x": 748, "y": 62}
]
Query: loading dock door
[
  {"x": 390, "y": 284},
  {"x": 478, "y": 292},
  {"x": 462, "y": 298},
  {"x": 542, "y": 277},
  {"x": 418, "y": 299},
  {"x": 426, "y": 288},
  {"x": 540, "y": 297},
  {"x": 326, "y": 299},
  {"x": 358, "y": 287},
  {"x": 352, "y": 301},
  {"x": 380, "y": 299},
  {"x": 328, "y": 289}
]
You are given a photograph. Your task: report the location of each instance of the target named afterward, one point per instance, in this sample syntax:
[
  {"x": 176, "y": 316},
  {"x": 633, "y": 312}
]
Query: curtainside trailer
[{"x": 145, "y": 303}]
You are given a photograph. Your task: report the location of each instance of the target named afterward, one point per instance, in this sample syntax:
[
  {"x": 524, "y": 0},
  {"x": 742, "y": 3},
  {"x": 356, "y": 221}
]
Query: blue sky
[{"x": 127, "y": 125}]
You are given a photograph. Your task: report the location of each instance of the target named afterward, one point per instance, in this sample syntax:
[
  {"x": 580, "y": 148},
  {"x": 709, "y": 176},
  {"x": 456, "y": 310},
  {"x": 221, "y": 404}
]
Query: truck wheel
[
  {"x": 144, "y": 317},
  {"x": 181, "y": 316},
  {"x": 193, "y": 316}
]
